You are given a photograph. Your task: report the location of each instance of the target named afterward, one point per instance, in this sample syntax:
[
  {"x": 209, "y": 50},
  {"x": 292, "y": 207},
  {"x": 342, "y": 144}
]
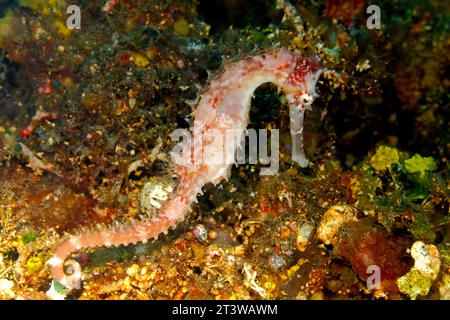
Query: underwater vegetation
[{"x": 86, "y": 118}]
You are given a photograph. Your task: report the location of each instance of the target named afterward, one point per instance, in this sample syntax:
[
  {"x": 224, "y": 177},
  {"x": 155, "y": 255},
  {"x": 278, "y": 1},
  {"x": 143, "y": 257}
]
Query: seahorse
[{"x": 225, "y": 104}]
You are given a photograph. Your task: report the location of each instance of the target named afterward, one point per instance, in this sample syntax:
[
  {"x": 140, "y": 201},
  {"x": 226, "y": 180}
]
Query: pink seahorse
[{"x": 224, "y": 105}]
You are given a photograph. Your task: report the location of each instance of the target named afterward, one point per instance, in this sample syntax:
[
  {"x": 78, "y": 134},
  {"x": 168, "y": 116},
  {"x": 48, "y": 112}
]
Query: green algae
[
  {"x": 414, "y": 284},
  {"x": 35, "y": 263},
  {"x": 420, "y": 165},
  {"x": 181, "y": 27},
  {"x": 104, "y": 255},
  {"x": 30, "y": 237},
  {"x": 384, "y": 158}
]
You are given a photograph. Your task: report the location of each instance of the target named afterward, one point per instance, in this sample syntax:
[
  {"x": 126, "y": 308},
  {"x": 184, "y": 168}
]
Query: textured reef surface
[{"x": 86, "y": 118}]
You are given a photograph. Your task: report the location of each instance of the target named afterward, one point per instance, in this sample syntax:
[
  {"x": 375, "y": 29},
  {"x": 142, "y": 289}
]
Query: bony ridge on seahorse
[{"x": 224, "y": 105}]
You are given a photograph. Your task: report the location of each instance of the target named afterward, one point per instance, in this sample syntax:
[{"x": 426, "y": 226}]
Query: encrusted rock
[
  {"x": 418, "y": 281},
  {"x": 332, "y": 220},
  {"x": 277, "y": 262},
  {"x": 444, "y": 287},
  {"x": 377, "y": 257}
]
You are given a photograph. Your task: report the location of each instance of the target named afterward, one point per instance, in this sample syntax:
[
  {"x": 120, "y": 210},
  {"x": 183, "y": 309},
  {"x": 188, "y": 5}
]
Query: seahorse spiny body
[{"x": 224, "y": 105}]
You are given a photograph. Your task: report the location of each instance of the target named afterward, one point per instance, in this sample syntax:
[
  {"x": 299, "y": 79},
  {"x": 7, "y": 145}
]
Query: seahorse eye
[{"x": 306, "y": 98}]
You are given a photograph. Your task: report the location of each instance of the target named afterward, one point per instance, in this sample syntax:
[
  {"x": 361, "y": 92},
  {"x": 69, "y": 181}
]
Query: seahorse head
[{"x": 301, "y": 82}]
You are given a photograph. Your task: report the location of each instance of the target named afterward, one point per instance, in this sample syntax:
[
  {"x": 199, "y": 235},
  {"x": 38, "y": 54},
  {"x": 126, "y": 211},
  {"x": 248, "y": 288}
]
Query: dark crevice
[{"x": 221, "y": 14}]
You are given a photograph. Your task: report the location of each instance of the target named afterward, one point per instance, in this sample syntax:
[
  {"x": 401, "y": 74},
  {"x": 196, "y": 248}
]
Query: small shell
[
  {"x": 304, "y": 233},
  {"x": 200, "y": 233}
]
